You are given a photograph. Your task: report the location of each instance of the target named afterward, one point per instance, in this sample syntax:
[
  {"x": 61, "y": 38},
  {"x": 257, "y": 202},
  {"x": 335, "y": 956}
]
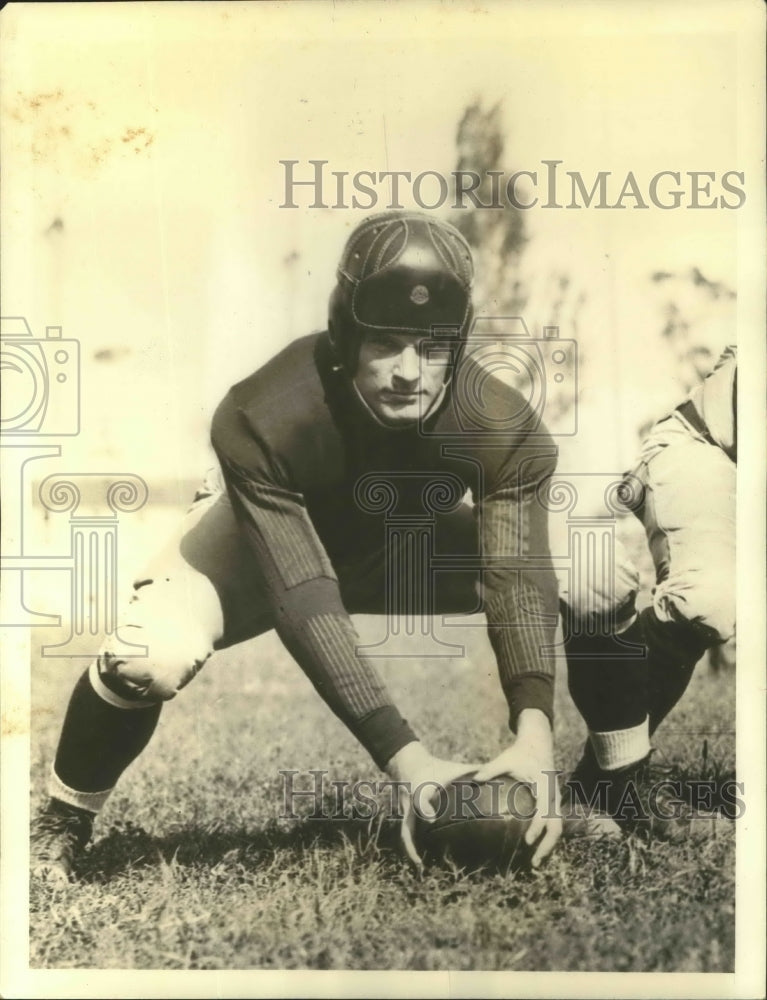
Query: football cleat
[
  {"x": 642, "y": 798},
  {"x": 579, "y": 820},
  {"x": 59, "y": 835}
]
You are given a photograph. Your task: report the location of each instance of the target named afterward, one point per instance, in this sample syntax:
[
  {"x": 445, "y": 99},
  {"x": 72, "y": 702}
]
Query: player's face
[{"x": 400, "y": 375}]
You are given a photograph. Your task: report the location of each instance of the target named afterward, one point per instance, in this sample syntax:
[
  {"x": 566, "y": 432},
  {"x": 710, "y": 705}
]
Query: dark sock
[
  {"x": 674, "y": 648},
  {"x": 614, "y": 692},
  {"x": 607, "y": 680},
  {"x": 98, "y": 741}
]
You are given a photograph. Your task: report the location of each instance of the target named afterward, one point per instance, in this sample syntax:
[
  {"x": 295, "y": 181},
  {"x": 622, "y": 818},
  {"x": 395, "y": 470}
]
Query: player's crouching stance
[
  {"x": 291, "y": 536},
  {"x": 686, "y": 477}
]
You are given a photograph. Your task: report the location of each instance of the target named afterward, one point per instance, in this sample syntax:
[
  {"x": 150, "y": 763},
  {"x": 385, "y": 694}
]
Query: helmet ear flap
[
  {"x": 335, "y": 347},
  {"x": 335, "y": 335},
  {"x": 342, "y": 334}
]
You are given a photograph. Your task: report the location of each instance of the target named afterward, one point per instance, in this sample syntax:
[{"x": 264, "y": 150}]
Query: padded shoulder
[{"x": 277, "y": 424}]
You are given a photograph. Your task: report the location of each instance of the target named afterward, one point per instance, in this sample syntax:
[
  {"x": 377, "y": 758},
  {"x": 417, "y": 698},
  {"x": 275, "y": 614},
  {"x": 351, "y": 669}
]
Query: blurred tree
[
  {"x": 699, "y": 321},
  {"x": 497, "y": 234}
]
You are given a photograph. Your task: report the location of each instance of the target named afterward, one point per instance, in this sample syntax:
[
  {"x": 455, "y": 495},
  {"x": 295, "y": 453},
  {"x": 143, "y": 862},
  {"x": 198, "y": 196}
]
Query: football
[{"x": 479, "y": 826}]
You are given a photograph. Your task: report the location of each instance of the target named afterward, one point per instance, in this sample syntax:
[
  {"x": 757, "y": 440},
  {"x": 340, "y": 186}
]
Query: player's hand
[
  {"x": 531, "y": 759},
  {"x": 418, "y": 777}
]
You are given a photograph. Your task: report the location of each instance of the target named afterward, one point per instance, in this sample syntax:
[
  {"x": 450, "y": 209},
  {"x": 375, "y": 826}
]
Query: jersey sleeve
[
  {"x": 520, "y": 593},
  {"x": 302, "y": 587}
]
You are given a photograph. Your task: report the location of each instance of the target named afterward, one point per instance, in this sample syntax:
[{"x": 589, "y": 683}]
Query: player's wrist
[
  {"x": 533, "y": 725},
  {"x": 407, "y": 760},
  {"x": 530, "y": 691}
]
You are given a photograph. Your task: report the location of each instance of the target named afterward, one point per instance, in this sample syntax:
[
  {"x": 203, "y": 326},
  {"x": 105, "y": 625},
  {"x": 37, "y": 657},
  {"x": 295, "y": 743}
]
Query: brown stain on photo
[
  {"x": 60, "y": 131},
  {"x": 139, "y": 137},
  {"x": 16, "y": 722},
  {"x": 13, "y": 724},
  {"x": 38, "y": 100}
]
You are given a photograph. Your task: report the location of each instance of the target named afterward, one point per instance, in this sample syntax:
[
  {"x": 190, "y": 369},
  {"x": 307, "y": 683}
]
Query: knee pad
[
  {"x": 176, "y": 619},
  {"x": 145, "y": 679},
  {"x": 708, "y": 607},
  {"x": 602, "y": 601},
  {"x": 174, "y": 654}
]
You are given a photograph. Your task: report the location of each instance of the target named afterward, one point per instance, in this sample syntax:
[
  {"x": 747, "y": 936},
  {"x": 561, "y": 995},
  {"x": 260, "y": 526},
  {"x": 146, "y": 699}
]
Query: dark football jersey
[{"x": 302, "y": 457}]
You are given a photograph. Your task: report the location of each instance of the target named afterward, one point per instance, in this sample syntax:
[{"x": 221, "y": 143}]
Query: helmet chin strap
[{"x": 403, "y": 427}]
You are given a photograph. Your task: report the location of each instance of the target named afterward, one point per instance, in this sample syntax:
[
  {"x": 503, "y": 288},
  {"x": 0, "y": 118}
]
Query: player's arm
[
  {"x": 302, "y": 588},
  {"x": 520, "y": 599}
]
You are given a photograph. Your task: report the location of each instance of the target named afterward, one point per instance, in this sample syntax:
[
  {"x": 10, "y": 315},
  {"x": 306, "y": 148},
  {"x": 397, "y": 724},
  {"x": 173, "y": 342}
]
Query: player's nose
[{"x": 408, "y": 365}]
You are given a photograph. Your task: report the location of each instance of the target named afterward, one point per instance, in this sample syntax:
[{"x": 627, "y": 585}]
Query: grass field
[{"x": 192, "y": 866}]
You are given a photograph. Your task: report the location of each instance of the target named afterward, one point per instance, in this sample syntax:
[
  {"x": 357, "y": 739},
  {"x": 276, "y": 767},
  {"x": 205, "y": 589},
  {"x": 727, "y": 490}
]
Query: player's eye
[{"x": 383, "y": 344}]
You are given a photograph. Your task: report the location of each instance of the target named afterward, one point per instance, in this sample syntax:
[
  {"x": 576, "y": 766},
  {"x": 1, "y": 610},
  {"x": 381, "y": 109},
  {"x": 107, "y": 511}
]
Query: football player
[
  {"x": 686, "y": 500},
  {"x": 289, "y": 534}
]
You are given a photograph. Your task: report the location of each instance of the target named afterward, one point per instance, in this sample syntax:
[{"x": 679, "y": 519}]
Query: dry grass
[{"x": 193, "y": 868}]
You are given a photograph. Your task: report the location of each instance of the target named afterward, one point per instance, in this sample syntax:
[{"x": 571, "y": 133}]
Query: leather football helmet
[{"x": 402, "y": 271}]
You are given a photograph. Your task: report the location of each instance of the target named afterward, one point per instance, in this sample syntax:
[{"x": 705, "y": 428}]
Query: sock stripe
[
  {"x": 107, "y": 695},
  {"x": 621, "y": 747},
  {"x": 92, "y": 801}
]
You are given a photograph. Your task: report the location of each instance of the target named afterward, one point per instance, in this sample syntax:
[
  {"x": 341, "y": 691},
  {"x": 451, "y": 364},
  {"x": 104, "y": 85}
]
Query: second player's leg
[
  {"x": 689, "y": 518},
  {"x": 606, "y": 658},
  {"x": 688, "y": 514}
]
